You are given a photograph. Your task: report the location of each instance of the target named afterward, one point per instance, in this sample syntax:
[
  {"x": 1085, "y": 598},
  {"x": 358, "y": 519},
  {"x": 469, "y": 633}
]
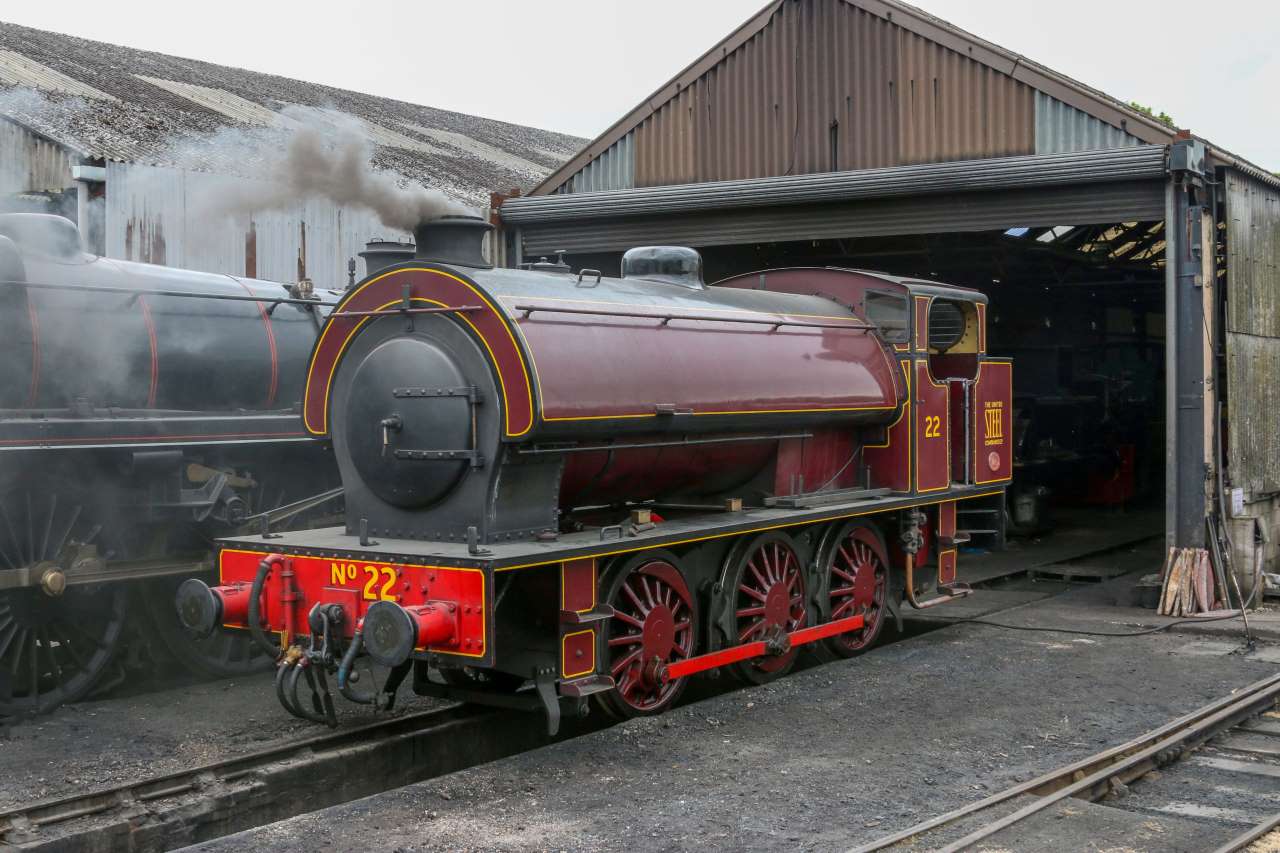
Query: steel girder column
[{"x": 1187, "y": 359}]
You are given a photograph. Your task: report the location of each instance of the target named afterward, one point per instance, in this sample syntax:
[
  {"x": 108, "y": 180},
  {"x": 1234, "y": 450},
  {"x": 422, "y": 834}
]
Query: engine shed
[{"x": 1130, "y": 267}]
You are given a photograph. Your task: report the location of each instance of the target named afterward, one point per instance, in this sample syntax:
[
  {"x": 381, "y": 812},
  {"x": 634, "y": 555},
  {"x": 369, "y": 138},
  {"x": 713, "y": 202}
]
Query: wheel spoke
[
  {"x": 844, "y": 607},
  {"x": 627, "y": 660},
  {"x": 628, "y": 618},
  {"x": 635, "y": 599},
  {"x": 750, "y": 611},
  {"x": 756, "y": 594},
  {"x": 626, "y": 640}
]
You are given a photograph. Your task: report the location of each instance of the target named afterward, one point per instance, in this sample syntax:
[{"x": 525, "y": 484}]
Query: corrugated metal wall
[
  {"x": 827, "y": 86},
  {"x": 1061, "y": 128},
  {"x": 615, "y": 169},
  {"x": 1253, "y": 334},
  {"x": 31, "y": 164},
  {"x": 164, "y": 216}
]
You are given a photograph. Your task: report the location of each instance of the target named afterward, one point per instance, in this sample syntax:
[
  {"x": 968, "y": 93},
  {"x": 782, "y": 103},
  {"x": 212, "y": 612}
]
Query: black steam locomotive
[{"x": 144, "y": 410}]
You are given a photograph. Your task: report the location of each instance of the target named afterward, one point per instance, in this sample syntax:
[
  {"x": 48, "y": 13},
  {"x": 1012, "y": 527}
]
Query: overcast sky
[{"x": 578, "y": 65}]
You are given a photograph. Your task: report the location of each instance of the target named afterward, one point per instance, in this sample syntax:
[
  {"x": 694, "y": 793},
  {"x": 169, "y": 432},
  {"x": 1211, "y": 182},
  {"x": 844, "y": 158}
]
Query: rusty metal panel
[
  {"x": 1061, "y": 128},
  {"x": 827, "y": 86},
  {"x": 1253, "y": 334},
  {"x": 1253, "y": 386},
  {"x": 1253, "y": 256},
  {"x": 952, "y": 108},
  {"x": 31, "y": 164},
  {"x": 161, "y": 215}
]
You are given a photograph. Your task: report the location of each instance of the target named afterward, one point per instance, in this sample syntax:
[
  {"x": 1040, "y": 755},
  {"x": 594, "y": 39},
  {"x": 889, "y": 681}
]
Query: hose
[
  {"x": 1234, "y": 614},
  {"x": 344, "y": 672},
  {"x": 316, "y": 713},
  {"x": 255, "y": 615},
  {"x": 282, "y": 693}
]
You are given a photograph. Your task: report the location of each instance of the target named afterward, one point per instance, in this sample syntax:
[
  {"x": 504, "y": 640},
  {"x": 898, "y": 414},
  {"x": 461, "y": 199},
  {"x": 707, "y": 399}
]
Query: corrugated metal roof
[
  {"x": 1145, "y": 162},
  {"x": 117, "y": 103},
  {"x": 821, "y": 85},
  {"x": 219, "y": 100},
  {"x": 19, "y": 70}
]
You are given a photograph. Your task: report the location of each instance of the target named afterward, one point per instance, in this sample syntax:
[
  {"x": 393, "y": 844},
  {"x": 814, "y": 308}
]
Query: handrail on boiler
[{"x": 667, "y": 318}]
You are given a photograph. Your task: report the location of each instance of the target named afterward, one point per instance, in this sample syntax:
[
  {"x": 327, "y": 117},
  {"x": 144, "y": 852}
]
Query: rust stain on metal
[
  {"x": 251, "y": 251},
  {"x": 302, "y": 251}
]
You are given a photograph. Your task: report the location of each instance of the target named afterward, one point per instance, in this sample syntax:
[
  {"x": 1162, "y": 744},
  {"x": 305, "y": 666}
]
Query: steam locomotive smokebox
[{"x": 455, "y": 240}]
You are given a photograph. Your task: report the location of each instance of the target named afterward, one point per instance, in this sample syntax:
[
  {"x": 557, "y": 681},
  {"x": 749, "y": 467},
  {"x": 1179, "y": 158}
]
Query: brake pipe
[
  {"x": 255, "y": 607},
  {"x": 344, "y": 669}
]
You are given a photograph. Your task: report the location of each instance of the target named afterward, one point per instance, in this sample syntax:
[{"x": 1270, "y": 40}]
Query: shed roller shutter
[
  {"x": 1146, "y": 162},
  {"x": 1116, "y": 201}
]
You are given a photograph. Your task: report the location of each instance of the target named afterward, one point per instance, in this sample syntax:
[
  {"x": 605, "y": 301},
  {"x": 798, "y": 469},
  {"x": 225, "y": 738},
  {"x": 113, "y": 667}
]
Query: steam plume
[{"x": 327, "y": 155}]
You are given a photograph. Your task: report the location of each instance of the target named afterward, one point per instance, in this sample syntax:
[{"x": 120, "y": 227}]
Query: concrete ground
[{"x": 827, "y": 758}]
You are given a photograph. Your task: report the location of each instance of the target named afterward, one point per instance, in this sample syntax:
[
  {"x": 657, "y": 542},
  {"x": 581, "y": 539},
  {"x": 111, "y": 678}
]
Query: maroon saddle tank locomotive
[{"x": 562, "y": 485}]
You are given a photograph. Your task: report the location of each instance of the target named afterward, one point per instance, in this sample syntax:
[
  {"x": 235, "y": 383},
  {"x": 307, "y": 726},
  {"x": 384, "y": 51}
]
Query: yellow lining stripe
[
  {"x": 564, "y": 655},
  {"x": 563, "y": 604},
  {"x": 977, "y": 380},
  {"x": 946, "y": 408},
  {"x": 351, "y": 335},
  {"x": 709, "y": 537}
]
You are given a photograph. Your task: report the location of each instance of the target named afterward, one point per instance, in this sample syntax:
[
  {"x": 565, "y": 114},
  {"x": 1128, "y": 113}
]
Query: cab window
[{"x": 888, "y": 313}]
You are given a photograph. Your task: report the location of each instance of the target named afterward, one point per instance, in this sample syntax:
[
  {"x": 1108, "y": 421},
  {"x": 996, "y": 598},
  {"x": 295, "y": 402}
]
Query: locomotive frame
[{"x": 625, "y": 600}]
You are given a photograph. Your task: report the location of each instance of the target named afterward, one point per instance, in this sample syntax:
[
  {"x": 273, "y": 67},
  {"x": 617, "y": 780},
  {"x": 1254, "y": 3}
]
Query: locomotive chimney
[
  {"x": 379, "y": 254},
  {"x": 455, "y": 240}
]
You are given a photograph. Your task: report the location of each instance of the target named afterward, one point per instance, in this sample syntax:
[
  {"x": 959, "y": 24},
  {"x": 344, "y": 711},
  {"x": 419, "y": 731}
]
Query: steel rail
[
  {"x": 61, "y": 810},
  {"x": 1251, "y": 835},
  {"x": 1088, "y": 772}
]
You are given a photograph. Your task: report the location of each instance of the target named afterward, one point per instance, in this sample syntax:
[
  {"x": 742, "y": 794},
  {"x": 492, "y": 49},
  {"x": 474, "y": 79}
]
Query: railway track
[
  {"x": 210, "y": 801},
  {"x": 1234, "y": 741}
]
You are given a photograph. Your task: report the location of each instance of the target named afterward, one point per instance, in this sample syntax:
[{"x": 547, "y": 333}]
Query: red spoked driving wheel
[
  {"x": 766, "y": 584},
  {"x": 654, "y": 624},
  {"x": 858, "y": 572}
]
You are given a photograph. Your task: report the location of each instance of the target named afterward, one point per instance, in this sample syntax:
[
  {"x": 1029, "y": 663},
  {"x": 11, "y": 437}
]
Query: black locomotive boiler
[{"x": 144, "y": 410}]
